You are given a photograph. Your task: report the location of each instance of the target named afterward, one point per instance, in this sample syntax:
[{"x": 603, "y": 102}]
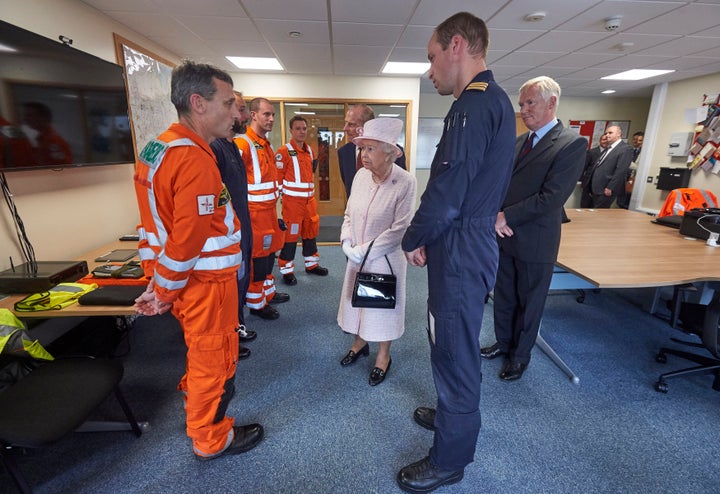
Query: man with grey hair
[
  {"x": 548, "y": 160},
  {"x": 605, "y": 179}
]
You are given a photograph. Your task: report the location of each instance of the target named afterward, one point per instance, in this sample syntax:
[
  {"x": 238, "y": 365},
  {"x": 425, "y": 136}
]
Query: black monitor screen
[{"x": 59, "y": 106}]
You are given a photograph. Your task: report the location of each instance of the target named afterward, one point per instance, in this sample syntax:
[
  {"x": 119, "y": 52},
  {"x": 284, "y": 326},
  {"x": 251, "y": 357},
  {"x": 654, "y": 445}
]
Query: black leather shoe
[
  {"x": 377, "y": 375},
  {"x": 267, "y": 312},
  {"x": 246, "y": 438},
  {"x": 512, "y": 371},
  {"x": 246, "y": 334},
  {"x": 425, "y": 417},
  {"x": 320, "y": 271},
  {"x": 243, "y": 353},
  {"x": 351, "y": 356},
  {"x": 290, "y": 279},
  {"x": 422, "y": 476},
  {"x": 491, "y": 352},
  {"x": 279, "y": 298}
]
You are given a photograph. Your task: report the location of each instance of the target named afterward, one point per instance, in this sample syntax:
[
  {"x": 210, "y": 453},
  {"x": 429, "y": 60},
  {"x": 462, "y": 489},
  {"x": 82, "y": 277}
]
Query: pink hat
[{"x": 381, "y": 129}]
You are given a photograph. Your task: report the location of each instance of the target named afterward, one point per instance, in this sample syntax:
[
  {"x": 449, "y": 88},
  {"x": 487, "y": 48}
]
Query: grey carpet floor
[{"x": 328, "y": 431}]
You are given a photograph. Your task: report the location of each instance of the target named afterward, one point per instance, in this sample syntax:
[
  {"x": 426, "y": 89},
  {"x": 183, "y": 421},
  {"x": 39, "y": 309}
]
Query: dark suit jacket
[
  {"x": 612, "y": 172},
  {"x": 590, "y": 158},
  {"x": 348, "y": 161},
  {"x": 540, "y": 184}
]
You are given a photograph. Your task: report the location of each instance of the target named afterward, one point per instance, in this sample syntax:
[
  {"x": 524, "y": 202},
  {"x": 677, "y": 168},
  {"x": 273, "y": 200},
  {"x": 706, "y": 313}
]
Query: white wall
[
  {"x": 71, "y": 211},
  {"x": 606, "y": 108},
  {"x": 669, "y": 106}
]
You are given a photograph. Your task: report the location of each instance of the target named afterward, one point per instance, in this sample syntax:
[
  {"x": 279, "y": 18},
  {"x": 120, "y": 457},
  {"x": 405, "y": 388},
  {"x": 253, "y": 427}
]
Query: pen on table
[{"x": 12, "y": 266}]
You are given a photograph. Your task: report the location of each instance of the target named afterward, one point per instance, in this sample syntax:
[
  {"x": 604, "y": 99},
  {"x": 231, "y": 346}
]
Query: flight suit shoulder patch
[{"x": 153, "y": 152}]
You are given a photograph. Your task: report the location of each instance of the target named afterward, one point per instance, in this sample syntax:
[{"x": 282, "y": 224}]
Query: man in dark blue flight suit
[
  {"x": 234, "y": 176},
  {"x": 453, "y": 232}
]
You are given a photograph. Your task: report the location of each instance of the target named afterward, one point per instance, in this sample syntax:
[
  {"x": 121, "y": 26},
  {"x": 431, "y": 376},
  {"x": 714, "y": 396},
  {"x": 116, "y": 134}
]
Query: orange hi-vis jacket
[
  {"x": 263, "y": 192},
  {"x": 295, "y": 170},
  {"x": 188, "y": 226},
  {"x": 263, "y": 189},
  {"x": 681, "y": 200}
]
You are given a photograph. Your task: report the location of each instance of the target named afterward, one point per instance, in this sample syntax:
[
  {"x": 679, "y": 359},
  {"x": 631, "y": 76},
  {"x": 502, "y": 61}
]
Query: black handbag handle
[{"x": 365, "y": 259}]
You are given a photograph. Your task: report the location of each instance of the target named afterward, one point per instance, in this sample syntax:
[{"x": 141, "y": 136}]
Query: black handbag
[{"x": 374, "y": 290}]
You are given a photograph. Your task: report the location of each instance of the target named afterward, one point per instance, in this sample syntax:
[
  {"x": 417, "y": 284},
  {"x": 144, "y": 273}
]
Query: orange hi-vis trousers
[{"x": 207, "y": 312}]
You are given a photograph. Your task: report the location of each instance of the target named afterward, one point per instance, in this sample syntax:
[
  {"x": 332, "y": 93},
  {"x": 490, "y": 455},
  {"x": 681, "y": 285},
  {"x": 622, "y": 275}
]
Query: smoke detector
[
  {"x": 613, "y": 23},
  {"x": 535, "y": 17}
]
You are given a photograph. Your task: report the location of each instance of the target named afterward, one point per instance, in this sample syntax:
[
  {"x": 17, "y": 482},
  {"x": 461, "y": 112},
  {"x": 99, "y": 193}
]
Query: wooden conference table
[{"x": 617, "y": 248}]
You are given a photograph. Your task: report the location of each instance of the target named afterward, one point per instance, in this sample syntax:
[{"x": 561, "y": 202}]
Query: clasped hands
[
  {"x": 148, "y": 304},
  {"x": 354, "y": 254}
]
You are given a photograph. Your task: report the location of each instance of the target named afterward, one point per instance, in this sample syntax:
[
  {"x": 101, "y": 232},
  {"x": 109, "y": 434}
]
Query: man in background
[
  {"x": 190, "y": 247},
  {"x": 232, "y": 171},
  {"x": 453, "y": 233},
  {"x": 49, "y": 147},
  {"x": 349, "y": 154},
  {"x": 263, "y": 193},
  {"x": 637, "y": 141},
  {"x": 547, "y": 161},
  {"x": 605, "y": 179},
  {"x": 299, "y": 206}
]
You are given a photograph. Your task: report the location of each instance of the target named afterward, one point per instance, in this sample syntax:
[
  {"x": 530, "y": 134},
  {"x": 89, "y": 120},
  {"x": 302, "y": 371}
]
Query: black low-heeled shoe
[
  {"x": 377, "y": 375},
  {"x": 351, "y": 356}
]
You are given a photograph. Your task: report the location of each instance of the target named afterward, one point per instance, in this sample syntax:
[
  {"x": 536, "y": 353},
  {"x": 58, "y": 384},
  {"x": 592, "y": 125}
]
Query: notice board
[{"x": 593, "y": 129}]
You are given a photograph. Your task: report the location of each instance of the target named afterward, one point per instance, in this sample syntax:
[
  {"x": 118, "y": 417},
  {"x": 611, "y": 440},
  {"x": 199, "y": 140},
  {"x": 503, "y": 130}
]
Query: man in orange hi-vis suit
[
  {"x": 190, "y": 246},
  {"x": 263, "y": 193},
  {"x": 299, "y": 206}
]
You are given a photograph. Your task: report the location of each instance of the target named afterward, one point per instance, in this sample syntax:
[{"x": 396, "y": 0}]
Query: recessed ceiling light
[
  {"x": 296, "y": 104},
  {"x": 636, "y": 74},
  {"x": 255, "y": 63},
  {"x": 304, "y": 113},
  {"x": 535, "y": 17},
  {"x": 608, "y": 91},
  {"x": 6, "y": 48},
  {"x": 389, "y": 115},
  {"x": 417, "y": 68},
  {"x": 295, "y": 34}
]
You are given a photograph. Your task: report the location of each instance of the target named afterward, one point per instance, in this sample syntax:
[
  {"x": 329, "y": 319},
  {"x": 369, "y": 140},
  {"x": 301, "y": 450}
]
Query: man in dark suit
[
  {"x": 548, "y": 161},
  {"x": 594, "y": 154},
  {"x": 605, "y": 179},
  {"x": 348, "y": 158}
]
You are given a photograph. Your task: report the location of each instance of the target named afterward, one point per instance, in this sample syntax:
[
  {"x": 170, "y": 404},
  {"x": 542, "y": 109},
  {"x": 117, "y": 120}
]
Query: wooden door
[{"x": 326, "y": 135}]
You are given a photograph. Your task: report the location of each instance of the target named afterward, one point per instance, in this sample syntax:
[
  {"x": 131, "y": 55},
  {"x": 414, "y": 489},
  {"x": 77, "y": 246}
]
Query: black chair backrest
[{"x": 711, "y": 326}]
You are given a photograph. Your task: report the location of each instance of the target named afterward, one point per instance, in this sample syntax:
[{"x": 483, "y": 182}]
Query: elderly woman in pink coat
[{"x": 379, "y": 209}]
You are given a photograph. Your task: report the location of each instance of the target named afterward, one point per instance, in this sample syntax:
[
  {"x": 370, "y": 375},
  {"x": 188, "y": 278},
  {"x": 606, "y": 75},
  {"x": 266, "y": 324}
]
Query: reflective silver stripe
[
  {"x": 288, "y": 268},
  {"x": 218, "y": 243},
  {"x": 169, "y": 284},
  {"x": 262, "y": 186},
  {"x": 294, "y": 193},
  {"x": 177, "y": 266},
  {"x": 161, "y": 231},
  {"x": 153, "y": 240},
  {"x": 262, "y": 198},
  {"x": 296, "y": 168},
  {"x": 218, "y": 262},
  {"x": 255, "y": 159},
  {"x": 142, "y": 233},
  {"x": 146, "y": 254}
]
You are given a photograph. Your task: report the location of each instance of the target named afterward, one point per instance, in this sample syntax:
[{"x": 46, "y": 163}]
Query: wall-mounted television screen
[{"x": 59, "y": 106}]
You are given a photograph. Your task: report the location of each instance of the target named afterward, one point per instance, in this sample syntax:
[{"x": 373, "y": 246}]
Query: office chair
[
  {"x": 53, "y": 400},
  {"x": 710, "y": 341}
]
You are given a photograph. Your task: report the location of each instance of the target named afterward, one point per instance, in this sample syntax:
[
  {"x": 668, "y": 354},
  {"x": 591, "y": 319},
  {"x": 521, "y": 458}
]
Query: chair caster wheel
[
  {"x": 661, "y": 387},
  {"x": 580, "y": 299},
  {"x": 661, "y": 358}
]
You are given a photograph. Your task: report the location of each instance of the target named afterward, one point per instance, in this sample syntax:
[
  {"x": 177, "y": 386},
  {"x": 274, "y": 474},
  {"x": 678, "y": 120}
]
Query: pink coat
[{"x": 381, "y": 213}]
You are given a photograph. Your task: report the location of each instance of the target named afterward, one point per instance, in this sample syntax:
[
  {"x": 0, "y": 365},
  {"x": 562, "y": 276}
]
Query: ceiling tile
[
  {"x": 277, "y": 31},
  {"x": 512, "y": 16},
  {"x": 151, "y": 24},
  {"x": 373, "y": 11},
  {"x": 353, "y": 60},
  {"x": 428, "y": 13},
  {"x": 304, "y": 10},
  {"x": 345, "y": 33},
  {"x": 569, "y": 40},
  {"x": 639, "y": 42},
  {"x": 219, "y": 28},
  {"x": 633, "y": 13},
  {"x": 205, "y": 7},
  {"x": 687, "y": 45},
  {"x": 689, "y": 19}
]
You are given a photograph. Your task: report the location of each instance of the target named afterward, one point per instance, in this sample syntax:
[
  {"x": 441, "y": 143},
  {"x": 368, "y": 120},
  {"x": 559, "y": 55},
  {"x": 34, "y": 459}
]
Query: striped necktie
[{"x": 527, "y": 146}]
